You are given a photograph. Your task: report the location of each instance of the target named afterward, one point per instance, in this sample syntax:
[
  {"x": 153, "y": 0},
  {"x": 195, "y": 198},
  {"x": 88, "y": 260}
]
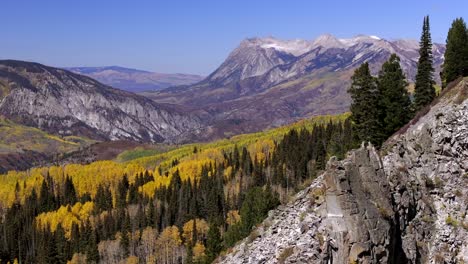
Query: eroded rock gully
[{"x": 406, "y": 203}]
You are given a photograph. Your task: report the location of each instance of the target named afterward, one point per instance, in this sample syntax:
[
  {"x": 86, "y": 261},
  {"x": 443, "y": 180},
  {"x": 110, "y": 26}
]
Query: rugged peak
[
  {"x": 254, "y": 57},
  {"x": 257, "y": 56},
  {"x": 328, "y": 41},
  {"x": 407, "y": 203},
  {"x": 407, "y": 44}
]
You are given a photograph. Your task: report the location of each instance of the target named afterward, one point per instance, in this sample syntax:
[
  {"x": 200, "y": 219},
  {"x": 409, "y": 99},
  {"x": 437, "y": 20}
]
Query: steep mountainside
[
  {"x": 407, "y": 204},
  {"x": 65, "y": 103},
  {"x": 22, "y": 147},
  {"x": 268, "y": 82},
  {"x": 134, "y": 80}
]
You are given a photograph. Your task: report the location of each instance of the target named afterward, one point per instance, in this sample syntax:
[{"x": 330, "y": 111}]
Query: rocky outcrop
[
  {"x": 407, "y": 203},
  {"x": 357, "y": 212},
  {"x": 427, "y": 169},
  {"x": 65, "y": 103},
  {"x": 346, "y": 216}
]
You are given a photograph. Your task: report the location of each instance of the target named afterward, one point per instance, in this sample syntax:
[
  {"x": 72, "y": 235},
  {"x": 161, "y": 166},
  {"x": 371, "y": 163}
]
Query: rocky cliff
[
  {"x": 406, "y": 203},
  {"x": 65, "y": 103}
]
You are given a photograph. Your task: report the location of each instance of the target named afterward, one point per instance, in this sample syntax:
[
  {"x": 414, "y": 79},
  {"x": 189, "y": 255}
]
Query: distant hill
[{"x": 134, "y": 80}]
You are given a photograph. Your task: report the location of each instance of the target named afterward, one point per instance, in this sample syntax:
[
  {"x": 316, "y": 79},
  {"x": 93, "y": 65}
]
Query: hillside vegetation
[
  {"x": 160, "y": 196},
  {"x": 15, "y": 138}
]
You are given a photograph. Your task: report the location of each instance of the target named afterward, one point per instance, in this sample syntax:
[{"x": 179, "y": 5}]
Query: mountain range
[
  {"x": 65, "y": 103},
  {"x": 263, "y": 83},
  {"x": 134, "y": 80},
  {"x": 267, "y": 82}
]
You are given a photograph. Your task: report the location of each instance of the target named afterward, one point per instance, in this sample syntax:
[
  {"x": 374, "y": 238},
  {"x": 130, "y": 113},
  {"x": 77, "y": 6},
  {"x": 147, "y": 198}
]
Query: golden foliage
[
  {"x": 233, "y": 217},
  {"x": 168, "y": 244},
  {"x": 132, "y": 260},
  {"x": 198, "y": 251},
  {"x": 187, "y": 230},
  {"x": 66, "y": 216},
  {"x": 15, "y": 137},
  {"x": 170, "y": 236},
  {"x": 228, "y": 172},
  {"x": 87, "y": 178}
]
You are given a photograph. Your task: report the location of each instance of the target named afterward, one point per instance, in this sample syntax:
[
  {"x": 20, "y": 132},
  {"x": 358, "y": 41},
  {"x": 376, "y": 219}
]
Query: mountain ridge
[
  {"x": 65, "y": 103},
  {"x": 135, "y": 80},
  {"x": 260, "y": 85}
]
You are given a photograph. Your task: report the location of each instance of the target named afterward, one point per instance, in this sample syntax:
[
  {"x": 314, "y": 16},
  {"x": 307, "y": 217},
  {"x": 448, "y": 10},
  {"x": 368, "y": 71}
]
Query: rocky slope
[
  {"x": 406, "y": 204},
  {"x": 134, "y": 80},
  {"x": 268, "y": 82},
  {"x": 65, "y": 103}
]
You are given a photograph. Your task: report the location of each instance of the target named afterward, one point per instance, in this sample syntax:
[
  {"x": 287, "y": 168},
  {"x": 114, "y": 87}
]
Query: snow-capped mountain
[
  {"x": 342, "y": 54},
  {"x": 267, "y": 81},
  {"x": 257, "y": 56}
]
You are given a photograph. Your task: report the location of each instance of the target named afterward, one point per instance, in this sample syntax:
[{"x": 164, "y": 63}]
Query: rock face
[
  {"x": 357, "y": 211},
  {"x": 427, "y": 167},
  {"x": 65, "y": 103},
  {"x": 406, "y": 204}
]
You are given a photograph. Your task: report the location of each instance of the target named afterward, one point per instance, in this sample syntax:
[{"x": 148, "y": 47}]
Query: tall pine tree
[
  {"x": 395, "y": 101},
  {"x": 213, "y": 243},
  {"x": 424, "y": 91},
  {"x": 456, "y": 53},
  {"x": 365, "y": 108}
]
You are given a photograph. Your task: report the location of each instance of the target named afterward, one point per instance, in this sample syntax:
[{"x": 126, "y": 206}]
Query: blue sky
[{"x": 196, "y": 36}]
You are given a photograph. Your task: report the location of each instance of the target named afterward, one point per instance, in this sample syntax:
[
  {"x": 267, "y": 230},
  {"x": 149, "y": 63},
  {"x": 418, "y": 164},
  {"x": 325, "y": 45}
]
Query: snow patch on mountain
[{"x": 295, "y": 47}]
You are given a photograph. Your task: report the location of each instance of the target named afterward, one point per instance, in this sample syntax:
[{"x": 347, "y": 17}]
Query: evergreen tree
[
  {"x": 255, "y": 207},
  {"x": 75, "y": 238},
  {"x": 133, "y": 194},
  {"x": 46, "y": 198},
  {"x": 365, "y": 108},
  {"x": 349, "y": 137},
  {"x": 189, "y": 257},
  {"x": 395, "y": 100},
  {"x": 456, "y": 53},
  {"x": 141, "y": 217},
  {"x": 125, "y": 239},
  {"x": 92, "y": 252},
  {"x": 103, "y": 199},
  {"x": 424, "y": 91},
  {"x": 61, "y": 245},
  {"x": 69, "y": 195},
  {"x": 235, "y": 158},
  {"x": 213, "y": 243},
  {"x": 151, "y": 215},
  {"x": 122, "y": 189}
]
